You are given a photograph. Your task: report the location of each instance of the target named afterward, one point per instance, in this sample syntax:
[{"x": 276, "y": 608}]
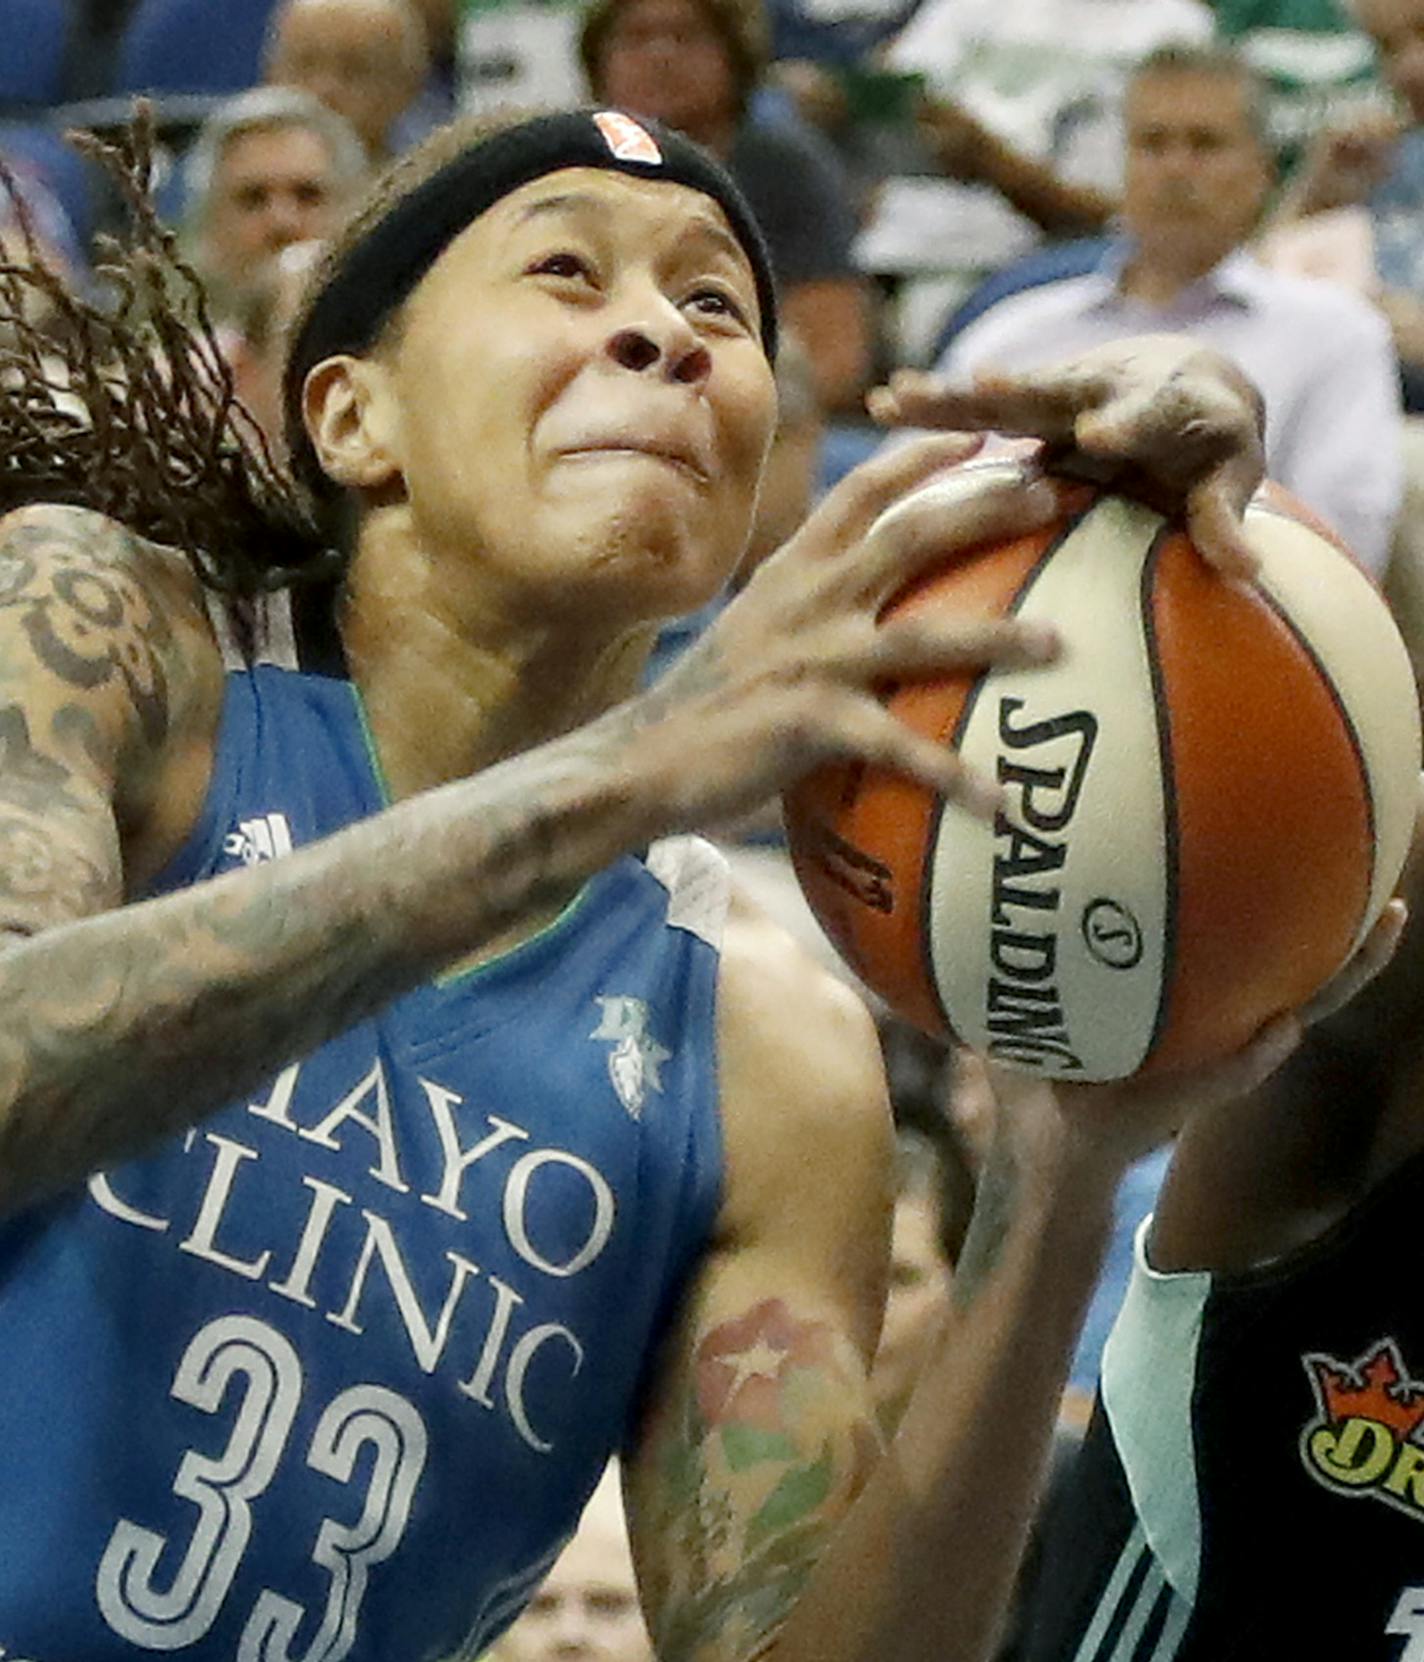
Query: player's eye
[
  {"x": 710, "y": 301},
  {"x": 561, "y": 263}
]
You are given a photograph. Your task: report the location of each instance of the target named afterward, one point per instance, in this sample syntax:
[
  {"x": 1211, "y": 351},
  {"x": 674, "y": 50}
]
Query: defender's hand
[
  {"x": 1129, "y": 1119},
  {"x": 789, "y": 675},
  {"x": 1158, "y": 417}
]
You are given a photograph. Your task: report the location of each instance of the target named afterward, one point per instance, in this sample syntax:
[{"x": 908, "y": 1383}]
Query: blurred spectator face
[
  {"x": 273, "y": 186},
  {"x": 365, "y": 59},
  {"x": 1197, "y": 174},
  {"x": 257, "y": 354},
  {"x": 587, "y": 1609},
  {"x": 916, "y": 1305},
  {"x": 1397, "y": 27},
  {"x": 667, "y": 59}
]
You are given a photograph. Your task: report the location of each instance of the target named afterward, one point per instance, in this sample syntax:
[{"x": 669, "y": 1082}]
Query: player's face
[
  {"x": 1398, "y": 30},
  {"x": 1196, "y": 174},
  {"x": 582, "y": 405}
]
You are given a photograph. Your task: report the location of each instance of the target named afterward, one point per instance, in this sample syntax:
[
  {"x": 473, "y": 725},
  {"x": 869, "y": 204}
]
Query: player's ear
[{"x": 351, "y": 419}]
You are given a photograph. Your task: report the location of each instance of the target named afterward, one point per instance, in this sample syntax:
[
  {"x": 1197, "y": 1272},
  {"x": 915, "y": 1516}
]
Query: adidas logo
[{"x": 256, "y": 840}]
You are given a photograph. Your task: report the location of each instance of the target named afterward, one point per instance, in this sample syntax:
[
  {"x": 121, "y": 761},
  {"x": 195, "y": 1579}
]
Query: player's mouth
[{"x": 674, "y": 456}]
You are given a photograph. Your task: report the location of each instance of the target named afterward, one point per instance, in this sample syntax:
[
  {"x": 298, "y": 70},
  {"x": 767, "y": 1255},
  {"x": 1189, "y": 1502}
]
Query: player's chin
[{"x": 665, "y": 564}]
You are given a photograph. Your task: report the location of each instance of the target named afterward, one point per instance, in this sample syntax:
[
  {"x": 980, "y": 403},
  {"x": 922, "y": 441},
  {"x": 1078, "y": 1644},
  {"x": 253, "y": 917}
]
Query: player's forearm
[
  {"x": 925, "y": 1563},
  {"x": 120, "y": 1029}
]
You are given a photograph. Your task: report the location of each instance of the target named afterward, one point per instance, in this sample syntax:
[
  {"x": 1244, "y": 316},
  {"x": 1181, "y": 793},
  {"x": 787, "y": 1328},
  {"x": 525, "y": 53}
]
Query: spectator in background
[
  {"x": 258, "y": 353},
  {"x": 272, "y": 173},
  {"x": 1197, "y": 177},
  {"x": 1046, "y": 78},
  {"x": 586, "y": 1609},
  {"x": 834, "y": 32},
  {"x": 366, "y": 59},
  {"x": 1021, "y": 131},
  {"x": 1368, "y": 174},
  {"x": 693, "y": 64},
  {"x": 270, "y": 168},
  {"x": 1319, "y": 67}
]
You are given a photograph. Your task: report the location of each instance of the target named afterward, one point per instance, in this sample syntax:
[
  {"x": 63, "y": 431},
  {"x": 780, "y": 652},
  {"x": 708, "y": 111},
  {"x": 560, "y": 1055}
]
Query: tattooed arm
[
  {"x": 760, "y": 1429},
  {"x": 108, "y": 694},
  {"x": 763, "y": 1524}
]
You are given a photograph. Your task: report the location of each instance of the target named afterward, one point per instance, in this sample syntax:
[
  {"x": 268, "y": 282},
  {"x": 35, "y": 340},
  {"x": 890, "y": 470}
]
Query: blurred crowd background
[{"x": 951, "y": 183}]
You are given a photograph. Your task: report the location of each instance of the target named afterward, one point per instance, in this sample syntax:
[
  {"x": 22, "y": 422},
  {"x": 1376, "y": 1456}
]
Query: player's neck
[{"x": 451, "y": 684}]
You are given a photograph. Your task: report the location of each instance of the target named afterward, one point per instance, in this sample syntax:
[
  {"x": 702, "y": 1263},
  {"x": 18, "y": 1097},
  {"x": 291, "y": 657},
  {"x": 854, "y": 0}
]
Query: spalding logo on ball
[{"x": 1210, "y": 795}]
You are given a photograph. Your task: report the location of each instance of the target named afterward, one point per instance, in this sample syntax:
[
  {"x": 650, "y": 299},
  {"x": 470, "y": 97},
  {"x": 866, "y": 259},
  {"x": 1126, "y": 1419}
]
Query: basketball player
[
  {"x": 1252, "y": 1481},
  {"x": 389, "y": 1126}
]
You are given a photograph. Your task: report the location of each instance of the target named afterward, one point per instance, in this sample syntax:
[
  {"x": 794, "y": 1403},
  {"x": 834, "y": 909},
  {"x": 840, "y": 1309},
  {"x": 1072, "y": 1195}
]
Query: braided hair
[{"x": 129, "y": 409}]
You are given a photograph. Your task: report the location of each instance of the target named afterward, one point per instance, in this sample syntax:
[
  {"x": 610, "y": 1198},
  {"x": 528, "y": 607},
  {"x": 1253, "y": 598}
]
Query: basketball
[{"x": 1209, "y": 797}]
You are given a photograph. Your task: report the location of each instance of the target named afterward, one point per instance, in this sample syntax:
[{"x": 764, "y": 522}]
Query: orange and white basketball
[{"x": 1210, "y": 795}]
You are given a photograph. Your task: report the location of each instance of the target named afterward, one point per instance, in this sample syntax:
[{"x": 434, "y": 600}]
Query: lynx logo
[
  {"x": 636, "y": 1059},
  {"x": 1366, "y": 1437},
  {"x": 256, "y": 840}
]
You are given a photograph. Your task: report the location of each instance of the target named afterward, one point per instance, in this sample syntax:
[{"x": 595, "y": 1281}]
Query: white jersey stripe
[
  {"x": 1176, "y": 1625},
  {"x": 1133, "y": 1552},
  {"x": 1154, "y": 1584}
]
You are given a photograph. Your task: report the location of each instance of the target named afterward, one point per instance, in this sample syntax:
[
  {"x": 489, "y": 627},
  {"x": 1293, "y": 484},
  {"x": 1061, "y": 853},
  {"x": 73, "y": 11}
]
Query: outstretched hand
[
  {"x": 1158, "y": 417},
  {"x": 1123, "y": 1121}
]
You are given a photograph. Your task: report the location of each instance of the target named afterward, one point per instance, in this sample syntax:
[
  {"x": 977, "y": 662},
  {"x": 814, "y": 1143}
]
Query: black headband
[{"x": 380, "y": 270}]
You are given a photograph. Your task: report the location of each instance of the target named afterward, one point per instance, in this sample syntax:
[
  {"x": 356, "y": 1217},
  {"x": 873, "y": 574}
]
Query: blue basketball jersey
[{"x": 332, "y": 1374}]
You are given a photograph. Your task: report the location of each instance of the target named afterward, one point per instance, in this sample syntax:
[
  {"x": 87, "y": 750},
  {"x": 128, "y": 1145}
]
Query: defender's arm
[{"x": 762, "y": 1522}]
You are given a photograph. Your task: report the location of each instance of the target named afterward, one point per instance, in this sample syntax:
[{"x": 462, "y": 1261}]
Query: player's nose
[{"x": 660, "y": 343}]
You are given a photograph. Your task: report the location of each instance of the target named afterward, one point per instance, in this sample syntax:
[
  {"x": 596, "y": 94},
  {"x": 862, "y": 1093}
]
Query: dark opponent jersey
[
  {"x": 1252, "y": 1484},
  {"x": 331, "y": 1375}
]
